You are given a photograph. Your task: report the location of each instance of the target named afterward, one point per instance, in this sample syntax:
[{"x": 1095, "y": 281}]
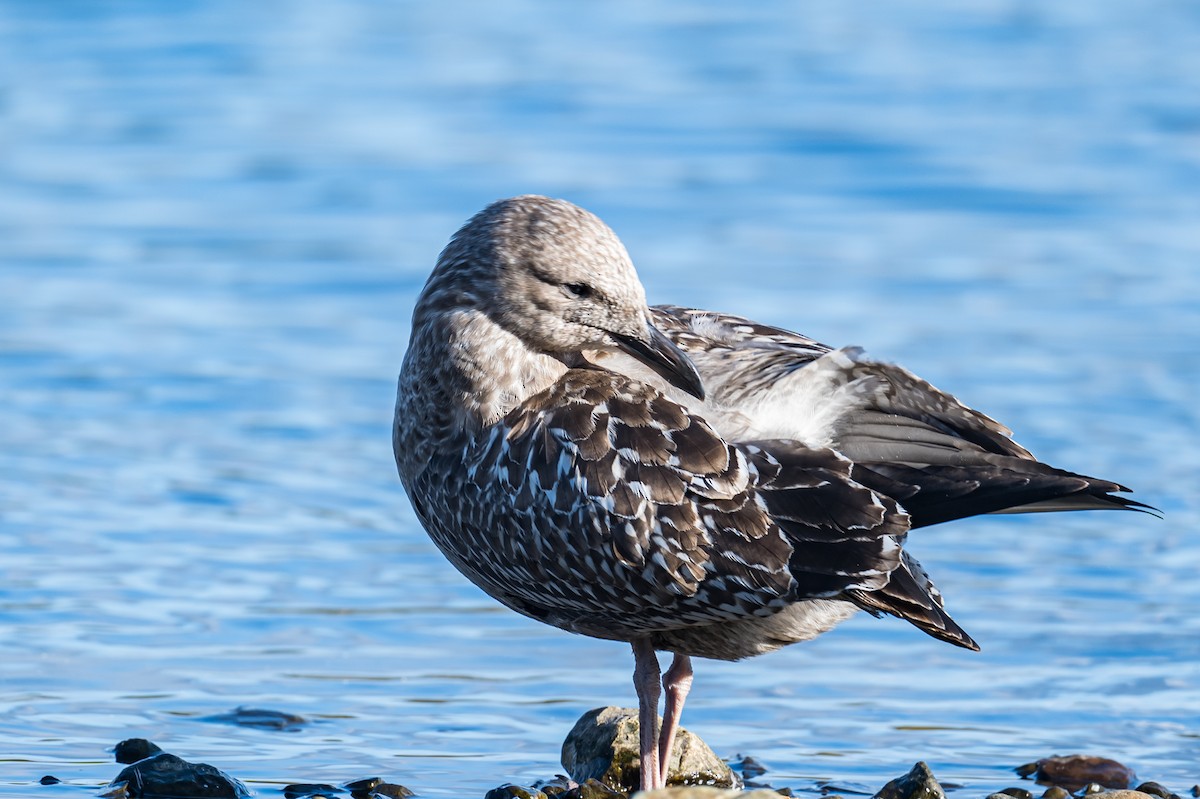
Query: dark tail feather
[
  {"x": 940, "y": 493},
  {"x": 912, "y": 596}
]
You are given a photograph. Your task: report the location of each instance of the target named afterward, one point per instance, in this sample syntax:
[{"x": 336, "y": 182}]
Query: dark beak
[{"x": 666, "y": 359}]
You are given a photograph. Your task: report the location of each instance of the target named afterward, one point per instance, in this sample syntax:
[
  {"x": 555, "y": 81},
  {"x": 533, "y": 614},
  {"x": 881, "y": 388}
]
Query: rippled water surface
[{"x": 214, "y": 218}]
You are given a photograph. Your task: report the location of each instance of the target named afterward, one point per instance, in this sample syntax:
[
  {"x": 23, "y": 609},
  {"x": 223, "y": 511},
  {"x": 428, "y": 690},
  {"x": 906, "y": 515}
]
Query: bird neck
[{"x": 462, "y": 372}]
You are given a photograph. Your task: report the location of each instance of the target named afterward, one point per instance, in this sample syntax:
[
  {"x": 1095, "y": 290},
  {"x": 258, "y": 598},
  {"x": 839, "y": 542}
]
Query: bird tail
[{"x": 912, "y": 596}]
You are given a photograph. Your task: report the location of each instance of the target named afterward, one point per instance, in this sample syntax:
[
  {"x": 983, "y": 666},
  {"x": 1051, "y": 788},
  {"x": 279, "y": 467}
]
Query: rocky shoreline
[{"x": 600, "y": 755}]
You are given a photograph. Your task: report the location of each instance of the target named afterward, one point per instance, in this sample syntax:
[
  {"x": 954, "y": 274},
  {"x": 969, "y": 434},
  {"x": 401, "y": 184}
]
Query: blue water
[{"x": 215, "y": 216}]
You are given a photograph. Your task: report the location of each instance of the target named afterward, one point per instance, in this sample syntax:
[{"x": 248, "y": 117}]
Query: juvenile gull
[{"x": 686, "y": 481}]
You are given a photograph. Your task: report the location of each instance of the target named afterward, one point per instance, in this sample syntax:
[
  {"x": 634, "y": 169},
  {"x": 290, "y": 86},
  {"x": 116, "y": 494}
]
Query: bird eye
[{"x": 579, "y": 290}]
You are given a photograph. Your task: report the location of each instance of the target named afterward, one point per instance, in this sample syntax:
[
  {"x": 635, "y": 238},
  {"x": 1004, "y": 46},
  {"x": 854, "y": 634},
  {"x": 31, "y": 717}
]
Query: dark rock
[
  {"x": 365, "y": 785},
  {"x": 1154, "y": 789},
  {"x": 1075, "y": 771},
  {"x": 557, "y": 786},
  {"x": 592, "y": 789},
  {"x": 1055, "y": 792},
  {"x": 131, "y": 750},
  {"x": 603, "y": 745},
  {"x": 705, "y": 792},
  {"x": 1017, "y": 793},
  {"x": 304, "y": 790},
  {"x": 918, "y": 783},
  {"x": 49, "y": 779},
  {"x": 510, "y": 791},
  {"x": 1196, "y": 790},
  {"x": 831, "y": 788},
  {"x": 375, "y": 787},
  {"x": 263, "y": 719},
  {"x": 751, "y": 768},
  {"x": 165, "y": 775}
]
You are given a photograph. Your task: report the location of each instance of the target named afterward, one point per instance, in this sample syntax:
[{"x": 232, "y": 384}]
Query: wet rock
[
  {"x": 918, "y": 783},
  {"x": 603, "y": 745},
  {"x": 1154, "y": 789},
  {"x": 510, "y": 791},
  {"x": 309, "y": 790},
  {"x": 1075, "y": 771},
  {"x": 131, "y": 750},
  {"x": 751, "y": 768},
  {"x": 706, "y": 792},
  {"x": 165, "y": 775},
  {"x": 1016, "y": 793},
  {"x": 261, "y": 718},
  {"x": 592, "y": 789},
  {"x": 557, "y": 786},
  {"x": 376, "y": 788},
  {"x": 1055, "y": 792},
  {"x": 49, "y": 779}
]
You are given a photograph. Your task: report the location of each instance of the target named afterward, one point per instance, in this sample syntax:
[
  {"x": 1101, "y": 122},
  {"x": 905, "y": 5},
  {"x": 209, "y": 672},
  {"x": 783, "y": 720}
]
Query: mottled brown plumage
[{"x": 679, "y": 479}]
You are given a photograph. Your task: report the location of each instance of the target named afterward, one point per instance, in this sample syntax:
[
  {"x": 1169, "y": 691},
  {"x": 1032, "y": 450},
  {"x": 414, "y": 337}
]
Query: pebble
[
  {"x": 49, "y": 779},
  {"x": 1055, "y": 792}
]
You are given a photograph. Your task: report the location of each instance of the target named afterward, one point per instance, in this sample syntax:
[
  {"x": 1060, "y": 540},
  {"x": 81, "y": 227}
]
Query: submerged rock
[
  {"x": 918, "y": 783},
  {"x": 604, "y": 746},
  {"x": 1074, "y": 772},
  {"x": 131, "y": 750},
  {"x": 310, "y": 790},
  {"x": 261, "y": 718},
  {"x": 165, "y": 775}
]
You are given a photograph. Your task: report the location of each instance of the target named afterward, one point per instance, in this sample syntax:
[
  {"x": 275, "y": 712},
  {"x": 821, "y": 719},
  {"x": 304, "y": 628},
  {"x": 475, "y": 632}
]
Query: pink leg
[
  {"x": 677, "y": 682},
  {"x": 645, "y": 682}
]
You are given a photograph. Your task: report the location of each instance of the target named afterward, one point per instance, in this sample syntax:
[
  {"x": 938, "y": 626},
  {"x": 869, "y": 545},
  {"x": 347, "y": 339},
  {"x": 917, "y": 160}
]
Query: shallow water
[{"x": 214, "y": 218}]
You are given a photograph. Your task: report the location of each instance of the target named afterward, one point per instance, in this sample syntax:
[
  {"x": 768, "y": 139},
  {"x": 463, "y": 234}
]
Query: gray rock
[
  {"x": 1122, "y": 794},
  {"x": 603, "y": 746},
  {"x": 918, "y": 783}
]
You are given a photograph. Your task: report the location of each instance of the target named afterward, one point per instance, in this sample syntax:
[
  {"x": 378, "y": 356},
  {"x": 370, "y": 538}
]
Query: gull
[{"x": 686, "y": 481}]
